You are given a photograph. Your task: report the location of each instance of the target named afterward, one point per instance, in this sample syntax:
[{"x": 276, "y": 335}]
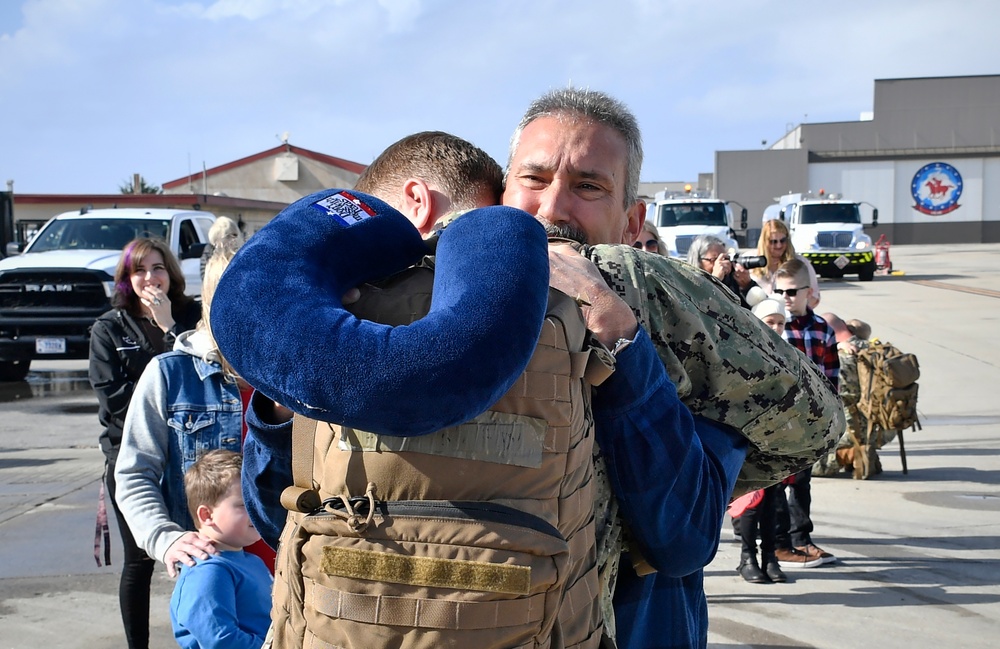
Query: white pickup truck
[{"x": 53, "y": 291}]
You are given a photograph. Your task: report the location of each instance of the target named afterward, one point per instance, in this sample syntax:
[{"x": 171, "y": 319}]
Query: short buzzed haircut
[
  {"x": 463, "y": 171},
  {"x": 795, "y": 269},
  {"x": 209, "y": 479},
  {"x": 597, "y": 107}
]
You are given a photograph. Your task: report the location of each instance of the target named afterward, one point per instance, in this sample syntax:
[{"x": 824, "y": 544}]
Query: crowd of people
[{"x": 594, "y": 444}]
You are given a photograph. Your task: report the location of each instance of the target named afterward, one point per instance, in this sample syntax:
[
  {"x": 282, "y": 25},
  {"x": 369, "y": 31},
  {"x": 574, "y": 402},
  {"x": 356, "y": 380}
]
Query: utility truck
[
  {"x": 680, "y": 217},
  {"x": 53, "y": 289},
  {"x": 827, "y": 230}
]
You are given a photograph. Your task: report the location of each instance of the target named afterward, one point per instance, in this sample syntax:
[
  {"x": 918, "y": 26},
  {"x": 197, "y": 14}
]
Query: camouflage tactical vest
[
  {"x": 480, "y": 535},
  {"x": 727, "y": 365}
]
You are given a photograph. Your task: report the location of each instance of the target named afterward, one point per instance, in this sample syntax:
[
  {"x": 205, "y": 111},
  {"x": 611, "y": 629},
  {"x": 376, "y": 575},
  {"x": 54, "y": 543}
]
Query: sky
[{"x": 92, "y": 91}]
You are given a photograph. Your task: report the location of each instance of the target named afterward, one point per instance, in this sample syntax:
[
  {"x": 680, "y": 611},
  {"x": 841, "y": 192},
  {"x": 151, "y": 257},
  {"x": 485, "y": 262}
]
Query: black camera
[{"x": 751, "y": 261}]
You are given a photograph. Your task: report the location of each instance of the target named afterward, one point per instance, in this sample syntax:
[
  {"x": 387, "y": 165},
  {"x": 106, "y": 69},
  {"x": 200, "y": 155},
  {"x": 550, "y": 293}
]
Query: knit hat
[{"x": 769, "y": 306}]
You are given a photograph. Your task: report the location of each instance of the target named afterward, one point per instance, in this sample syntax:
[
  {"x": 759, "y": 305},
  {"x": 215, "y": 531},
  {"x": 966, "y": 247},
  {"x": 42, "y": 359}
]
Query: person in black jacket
[{"x": 150, "y": 310}]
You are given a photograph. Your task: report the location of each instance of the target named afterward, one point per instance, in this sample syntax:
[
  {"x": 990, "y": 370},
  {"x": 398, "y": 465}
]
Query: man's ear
[
  {"x": 636, "y": 218},
  {"x": 418, "y": 204}
]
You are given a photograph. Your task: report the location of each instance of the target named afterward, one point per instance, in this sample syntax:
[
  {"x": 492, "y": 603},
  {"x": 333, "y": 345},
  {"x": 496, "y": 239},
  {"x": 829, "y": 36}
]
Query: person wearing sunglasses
[
  {"x": 776, "y": 245},
  {"x": 649, "y": 239}
]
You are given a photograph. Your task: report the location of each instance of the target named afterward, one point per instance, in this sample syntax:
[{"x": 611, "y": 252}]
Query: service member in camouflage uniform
[{"x": 574, "y": 163}]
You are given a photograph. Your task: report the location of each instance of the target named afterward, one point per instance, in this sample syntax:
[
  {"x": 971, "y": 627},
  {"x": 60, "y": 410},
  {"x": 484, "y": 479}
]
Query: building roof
[
  {"x": 353, "y": 167},
  {"x": 184, "y": 201}
]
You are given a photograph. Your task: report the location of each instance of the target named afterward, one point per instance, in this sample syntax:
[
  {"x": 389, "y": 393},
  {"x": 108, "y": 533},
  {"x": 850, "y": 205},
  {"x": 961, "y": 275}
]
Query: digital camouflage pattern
[
  {"x": 857, "y": 425},
  {"x": 727, "y": 365}
]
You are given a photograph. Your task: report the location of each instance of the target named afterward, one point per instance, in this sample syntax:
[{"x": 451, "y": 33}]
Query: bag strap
[{"x": 302, "y": 495}]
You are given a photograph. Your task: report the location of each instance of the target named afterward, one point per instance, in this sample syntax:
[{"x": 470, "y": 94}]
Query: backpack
[
  {"x": 888, "y": 387},
  {"x": 480, "y": 535}
]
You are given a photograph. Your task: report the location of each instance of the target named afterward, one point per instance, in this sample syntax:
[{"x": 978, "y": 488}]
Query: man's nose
[{"x": 554, "y": 204}]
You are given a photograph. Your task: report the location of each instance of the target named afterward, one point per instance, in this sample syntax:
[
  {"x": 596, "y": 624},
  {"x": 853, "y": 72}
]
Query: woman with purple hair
[{"x": 150, "y": 310}]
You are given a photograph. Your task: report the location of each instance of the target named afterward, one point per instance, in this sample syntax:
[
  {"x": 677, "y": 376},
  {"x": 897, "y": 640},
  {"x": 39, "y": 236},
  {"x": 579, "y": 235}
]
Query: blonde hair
[
  {"x": 649, "y": 228},
  {"x": 225, "y": 233},
  {"x": 768, "y": 230},
  {"x": 214, "y": 269}
]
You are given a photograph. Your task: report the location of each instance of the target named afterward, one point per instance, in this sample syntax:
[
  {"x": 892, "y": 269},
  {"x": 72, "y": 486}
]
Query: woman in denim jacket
[{"x": 186, "y": 402}]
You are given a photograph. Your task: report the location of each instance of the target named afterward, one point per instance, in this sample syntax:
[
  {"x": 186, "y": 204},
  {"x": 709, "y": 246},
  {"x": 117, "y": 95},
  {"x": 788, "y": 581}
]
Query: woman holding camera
[
  {"x": 776, "y": 245},
  {"x": 709, "y": 254}
]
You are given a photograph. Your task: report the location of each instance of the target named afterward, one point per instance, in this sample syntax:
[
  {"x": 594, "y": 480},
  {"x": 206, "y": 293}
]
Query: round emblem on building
[{"x": 936, "y": 188}]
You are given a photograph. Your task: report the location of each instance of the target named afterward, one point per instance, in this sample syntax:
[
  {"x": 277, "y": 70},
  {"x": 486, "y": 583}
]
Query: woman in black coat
[{"x": 150, "y": 310}]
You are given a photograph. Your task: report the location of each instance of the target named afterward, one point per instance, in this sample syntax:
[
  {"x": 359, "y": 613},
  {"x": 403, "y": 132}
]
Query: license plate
[
  {"x": 50, "y": 345},
  {"x": 841, "y": 262}
]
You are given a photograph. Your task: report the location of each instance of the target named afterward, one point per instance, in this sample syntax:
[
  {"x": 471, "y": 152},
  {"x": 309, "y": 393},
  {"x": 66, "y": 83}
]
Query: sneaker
[
  {"x": 795, "y": 558},
  {"x": 814, "y": 551}
]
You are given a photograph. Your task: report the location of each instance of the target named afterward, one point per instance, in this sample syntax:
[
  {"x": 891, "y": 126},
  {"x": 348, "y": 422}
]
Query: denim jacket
[{"x": 183, "y": 406}]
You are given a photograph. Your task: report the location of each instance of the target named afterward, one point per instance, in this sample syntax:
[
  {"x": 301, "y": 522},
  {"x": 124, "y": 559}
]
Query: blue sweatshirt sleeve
[
  {"x": 673, "y": 473},
  {"x": 267, "y": 470}
]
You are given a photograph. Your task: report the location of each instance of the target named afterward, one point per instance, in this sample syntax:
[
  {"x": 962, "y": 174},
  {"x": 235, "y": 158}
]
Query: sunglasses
[
  {"x": 775, "y": 242},
  {"x": 648, "y": 245},
  {"x": 790, "y": 292}
]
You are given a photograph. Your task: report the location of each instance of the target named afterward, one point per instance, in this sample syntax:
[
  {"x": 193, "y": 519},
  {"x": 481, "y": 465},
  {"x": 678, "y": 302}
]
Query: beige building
[
  {"x": 283, "y": 174},
  {"x": 927, "y": 156},
  {"x": 251, "y": 190}
]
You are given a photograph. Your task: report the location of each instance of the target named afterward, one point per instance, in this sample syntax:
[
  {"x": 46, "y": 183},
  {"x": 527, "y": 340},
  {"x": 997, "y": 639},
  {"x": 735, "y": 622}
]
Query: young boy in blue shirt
[{"x": 223, "y": 601}]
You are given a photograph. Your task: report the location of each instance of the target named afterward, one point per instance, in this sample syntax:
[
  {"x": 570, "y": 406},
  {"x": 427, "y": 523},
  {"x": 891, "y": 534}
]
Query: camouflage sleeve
[{"x": 726, "y": 364}]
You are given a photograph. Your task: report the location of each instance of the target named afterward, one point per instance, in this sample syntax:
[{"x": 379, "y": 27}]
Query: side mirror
[
  {"x": 14, "y": 248},
  {"x": 743, "y": 219},
  {"x": 781, "y": 214},
  {"x": 874, "y": 217},
  {"x": 194, "y": 252}
]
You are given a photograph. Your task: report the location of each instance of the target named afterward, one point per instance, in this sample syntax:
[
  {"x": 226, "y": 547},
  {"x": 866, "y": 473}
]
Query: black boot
[
  {"x": 750, "y": 570},
  {"x": 773, "y": 570}
]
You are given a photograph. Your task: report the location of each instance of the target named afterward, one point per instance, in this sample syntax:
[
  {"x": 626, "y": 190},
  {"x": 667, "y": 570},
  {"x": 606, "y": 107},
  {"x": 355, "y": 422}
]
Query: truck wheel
[
  {"x": 14, "y": 370},
  {"x": 867, "y": 273}
]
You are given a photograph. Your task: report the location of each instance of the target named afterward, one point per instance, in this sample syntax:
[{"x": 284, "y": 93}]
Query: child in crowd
[
  {"x": 813, "y": 336},
  {"x": 223, "y": 601},
  {"x": 761, "y": 515}
]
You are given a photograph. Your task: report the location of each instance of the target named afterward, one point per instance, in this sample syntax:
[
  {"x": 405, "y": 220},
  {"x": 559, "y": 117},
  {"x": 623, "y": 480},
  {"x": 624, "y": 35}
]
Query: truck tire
[
  {"x": 14, "y": 370},
  {"x": 867, "y": 273}
]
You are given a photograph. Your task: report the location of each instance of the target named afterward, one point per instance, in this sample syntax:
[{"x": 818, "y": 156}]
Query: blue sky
[{"x": 92, "y": 91}]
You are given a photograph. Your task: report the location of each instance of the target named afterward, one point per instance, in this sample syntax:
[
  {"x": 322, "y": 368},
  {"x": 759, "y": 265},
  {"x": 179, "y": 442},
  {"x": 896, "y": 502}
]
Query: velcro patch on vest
[
  {"x": 497, "y": 437},
  {"x": 457, "y": 574}
]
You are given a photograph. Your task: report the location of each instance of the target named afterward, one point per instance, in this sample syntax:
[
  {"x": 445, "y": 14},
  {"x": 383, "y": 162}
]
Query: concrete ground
[{"x": 920, "y": 553}]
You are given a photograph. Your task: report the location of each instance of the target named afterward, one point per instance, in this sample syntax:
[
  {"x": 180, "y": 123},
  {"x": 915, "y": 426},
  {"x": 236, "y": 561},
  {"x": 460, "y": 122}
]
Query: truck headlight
[{"x": 863, "y": 242}]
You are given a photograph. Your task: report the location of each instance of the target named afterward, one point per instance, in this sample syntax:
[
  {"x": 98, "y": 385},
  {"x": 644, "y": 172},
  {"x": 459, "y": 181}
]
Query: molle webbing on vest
[
  {"x": 726, "y": 364},
  {"x": 497, "y": 437},
  {"x": 425, "y": 613},
  {"x": 424, "y": 571}
]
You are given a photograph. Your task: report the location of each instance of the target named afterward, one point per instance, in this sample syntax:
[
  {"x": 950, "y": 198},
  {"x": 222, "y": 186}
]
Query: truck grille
[
  {"x": 56, "y": 291},
  {"x": 834, "y": 239},
  {"x": 683, "y": 244}
]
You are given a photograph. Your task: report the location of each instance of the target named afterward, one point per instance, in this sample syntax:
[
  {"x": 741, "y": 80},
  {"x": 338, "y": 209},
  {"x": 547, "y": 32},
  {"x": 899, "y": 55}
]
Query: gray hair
[
  {"x": 597, "y": 107},
  {"x": 700, "y": 246}
]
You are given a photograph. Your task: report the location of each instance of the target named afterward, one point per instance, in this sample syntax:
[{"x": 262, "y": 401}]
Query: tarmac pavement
[{"x": 919, "y": 553}]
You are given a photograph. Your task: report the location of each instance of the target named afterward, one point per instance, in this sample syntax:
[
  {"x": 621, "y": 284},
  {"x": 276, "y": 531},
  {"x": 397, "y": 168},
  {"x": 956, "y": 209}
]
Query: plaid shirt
[{"x": 813, "y": 337}]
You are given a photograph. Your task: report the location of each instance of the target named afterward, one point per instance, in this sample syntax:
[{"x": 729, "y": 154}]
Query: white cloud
[{"x": 109, "y": 87}]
